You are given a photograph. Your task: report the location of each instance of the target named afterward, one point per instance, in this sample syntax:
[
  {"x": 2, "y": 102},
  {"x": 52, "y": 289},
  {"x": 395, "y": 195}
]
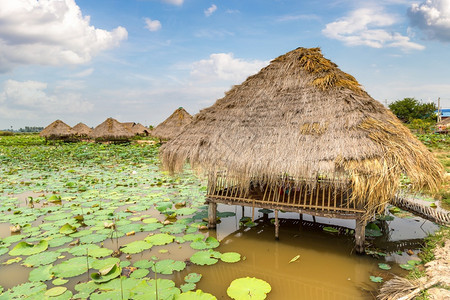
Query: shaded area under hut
[
  {"x": 111, "y": 130},
  {"x": 58, "y": 130},
  {"x": 303, "y": 136},
  {"x": 173, "y": 125}
]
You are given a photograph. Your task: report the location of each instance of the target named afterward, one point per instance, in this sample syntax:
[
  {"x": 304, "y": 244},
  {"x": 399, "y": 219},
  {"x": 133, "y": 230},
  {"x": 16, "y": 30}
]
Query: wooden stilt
[
  {"x": 243, "y": 211},
  {"x": 301, "y": 221},
  {"x": 314, "y": 219},
  {"x": 212, "y": 214},
  {"x": 277, "y": 225},
  {"x": 360, "y": 235},
  {"x": 253, "y": 211},
  {"x": 265, "y": 217}
]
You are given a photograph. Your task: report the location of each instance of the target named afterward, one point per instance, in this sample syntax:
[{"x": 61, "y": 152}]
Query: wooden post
[
  {"x": 212, "y": 214},
  {"x": 301, "y": 221},
  {"x": 277, "y": 225},
  {"x": 243, "y": 211},
  {"x": 314, "y": 219},
  {"x": 360, "y": 235}
]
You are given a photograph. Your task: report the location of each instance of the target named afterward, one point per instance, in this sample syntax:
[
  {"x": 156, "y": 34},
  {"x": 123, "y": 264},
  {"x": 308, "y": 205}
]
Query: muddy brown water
[{"x": 327, "y": 267}]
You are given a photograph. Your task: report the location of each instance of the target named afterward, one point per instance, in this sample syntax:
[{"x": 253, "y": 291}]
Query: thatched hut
[
  {"x": 137, "y": 128},
  {"x": 111, "y": 130},
  {"x": 302, "y": 136},
  {"x": 443, "y": 126},
  {"x": 173, "y": 125},
  {"x": 58, "y": 130},
  {"x": 81, "y": 131}
]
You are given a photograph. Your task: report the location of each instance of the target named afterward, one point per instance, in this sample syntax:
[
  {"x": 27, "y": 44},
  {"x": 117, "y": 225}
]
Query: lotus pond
[{"x": 100, "y": 221}]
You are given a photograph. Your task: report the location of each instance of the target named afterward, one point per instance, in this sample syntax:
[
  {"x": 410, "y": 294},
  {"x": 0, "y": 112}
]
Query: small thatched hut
[
  {"x": 111, "y": 130},
  {"x": 302, "y": 136},
  {"x": 173, "y": 125},
  {"x": 81, "y": 131},
  {"x": 58, "y": 130},
  {"x": 137, "y": 128}
]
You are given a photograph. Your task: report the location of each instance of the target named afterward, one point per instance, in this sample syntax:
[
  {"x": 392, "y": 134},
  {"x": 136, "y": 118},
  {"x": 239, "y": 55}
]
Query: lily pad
[
  {"x": 187, "y": 287},
  {"x": 330, "y": 229},
  {"x": 102, "y": 263},
  {"x": 56, "y": 291},
  {"x": 160, "y": 239},
  {"x": 41, "y": 273},
  {"x": 106, "y": 274},
  {"x": 67, "y": 229},
  {"x": 209, "y": 243},
  {"x": 376, "y": 279},
  {"x": 248, "y": 288},
  {"x": 144, "y": 264},
  {"x": 193, "y": 277},
  {"x": 407, "y": 267},
  {"x": 197, "y": 295},
  {"x": 100, "y": 252},
  {"x": 230, "y": 257},
  {"x": 60, "y": 281},
  {"x": 24, "y": 248},
  {"x": 93, "y": 238},
  {"x": 168, "y": 266},
  {"x": 139, "y": 273},
  {"x": 59, "y": 241},
  {"x": 41, "y": 259},
  {"x": 205, "y": 257},
  {"x": 384, "y": 266},
  {"x": 71, "y": 268},
  {"x": 373, "y": 230},
  {"x": 147, "y": 290},
  {"x": 136, "y": 247}
]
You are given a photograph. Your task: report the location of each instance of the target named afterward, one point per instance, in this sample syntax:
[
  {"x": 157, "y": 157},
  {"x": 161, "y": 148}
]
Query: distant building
[{"x": 445, "y": 113}]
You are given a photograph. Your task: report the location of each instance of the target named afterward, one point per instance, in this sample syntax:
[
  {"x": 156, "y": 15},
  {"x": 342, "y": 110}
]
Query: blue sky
[{"x": 139, "y": 60}]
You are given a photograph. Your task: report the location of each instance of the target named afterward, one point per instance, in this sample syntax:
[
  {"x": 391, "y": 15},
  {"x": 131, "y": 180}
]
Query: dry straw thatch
[
  {"x": 82, "y": 130},
  {"x": 302, "y": 116},
  {"x": 136, "y": 128},
  {"x": 57, "y": 130},
  {"x": 173, "y": 125},
  {"x": 111, "y": 130}
]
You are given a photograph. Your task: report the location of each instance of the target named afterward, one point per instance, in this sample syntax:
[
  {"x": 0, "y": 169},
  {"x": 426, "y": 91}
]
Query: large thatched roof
[
  {"x": 173, "y": 125},
  {"x": 304, "y": 117},
  {"x": 56, "y": 130},
  {"x": 81, "y": 129},
  {"x": 111, "y": 129}
]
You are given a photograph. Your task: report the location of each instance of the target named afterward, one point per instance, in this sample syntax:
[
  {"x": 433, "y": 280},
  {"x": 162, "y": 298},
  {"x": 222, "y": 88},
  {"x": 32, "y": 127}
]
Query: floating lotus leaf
[
  {"x": 152, "y": 226},
  {"x": 143, "y": 264},
  {"x": 56, "y": 291},
  {"x": 150, "y": 220},
  {"x": 163, "y": 206},
  {"x": 41, "y": 259},
  {"x": 70, "y": 268},
  {"x": 192, "y": 277},
  {"x": 384, "y": 266},
  {"x": 59, "y": 241},
  {"x": 205, "y": 257},
  {"x": 100, "y": 252},
  {"x": 147, "y": 290},
  {"x": 7, "y": 241},
  {"x": 102, "y": 263},
  {"x": 193, "y": 237},
  {"x": 185, "y": 211},
  {"x": 139, "y": 273},
  {"x": 86, "y": 288},
  {"x": 107, "y": 295},
  {"x": 58, "y": 216},
  {"x": 136, "y": 247},
  {"x": 106, "y": 274},
  {"x": 197, "y": 295},
  {"x": 230, "y": 257},
  {"x": 376, "y": 279},
  {"x": 209, "y": 243},
  {"x": 330, "y": 229},
  {"x": 32, "y": 290},
  {"x": 160, "y": 239},
  {"x": 373, "y": 230},
  {"x": 67, "y": 229},
  {"x": 407, "y": 267},
  {"x": 248, "y": 288},
  {"x": 12, "y": 260},
  {"x": 130, "y": 227},
  {"x": 93, "y": 238},
  {"x": 226, "y": 214},
  {"x": 60, "y": 281},
  {"x": 174, "y": 228},
  {"x": 83, "y": 250},
  {"x": 168, "y": 266},
  {"x": 413, "y": 262},
  {"x": 24, "y": 248},
  {"x": 187, "y": 287},
  {"x": 3, "y": 250},
  {"x": 81, "y": 233},
  {"x": 41, "y": 273}
]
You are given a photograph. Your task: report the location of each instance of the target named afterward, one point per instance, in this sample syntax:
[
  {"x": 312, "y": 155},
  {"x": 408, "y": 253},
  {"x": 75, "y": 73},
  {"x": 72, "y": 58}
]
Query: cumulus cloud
[
  {"x": 32, "y": 99},
  {"x": 433, "y": 17},
  {"x": 369, "y": 27},
  {"x": 51, "y": 32},
  {"x": 224, "y": 66},
  {"x": 210, "y": 10},
  {"x": 152, "y": 25}
]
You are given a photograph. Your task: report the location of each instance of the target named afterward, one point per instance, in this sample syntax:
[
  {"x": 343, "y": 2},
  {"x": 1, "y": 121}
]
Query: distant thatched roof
[
  {"x": 111, "y": 129},
  {"x": 304, "y": 117},
  {"x": 56, "y": 130},
  {"x": 444, "y": 122},
  {"x": 81, "y": 129},
  {"x": 136, "y": 128},
  {"x": 173, "y": 125}
]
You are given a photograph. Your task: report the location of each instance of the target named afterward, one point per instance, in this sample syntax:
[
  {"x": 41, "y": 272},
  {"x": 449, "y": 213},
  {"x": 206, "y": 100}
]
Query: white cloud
[
  {"x": 224, "y": 66},
  {"x": 433, "y": 17},
  {"x": 31, "y": 99},
  {"x": 174, "y": 2},
  {"x": 208, "y": 12},
  {"x": 51, "y": 32},
  {"x": 152, "y": 25},
  {"x": 84, "y": 73},
  {"x": 368, "y": 26}
]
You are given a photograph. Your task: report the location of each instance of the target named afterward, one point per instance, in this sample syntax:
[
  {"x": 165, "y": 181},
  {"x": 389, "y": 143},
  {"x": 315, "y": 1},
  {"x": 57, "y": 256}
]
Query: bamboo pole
[
  {"x": 277, "y": 225},
  {"x": 212, "y": 214}
]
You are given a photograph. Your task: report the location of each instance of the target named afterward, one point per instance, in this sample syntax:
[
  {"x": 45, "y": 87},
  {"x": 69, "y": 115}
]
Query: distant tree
[{"x": 410, "y": 109}]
